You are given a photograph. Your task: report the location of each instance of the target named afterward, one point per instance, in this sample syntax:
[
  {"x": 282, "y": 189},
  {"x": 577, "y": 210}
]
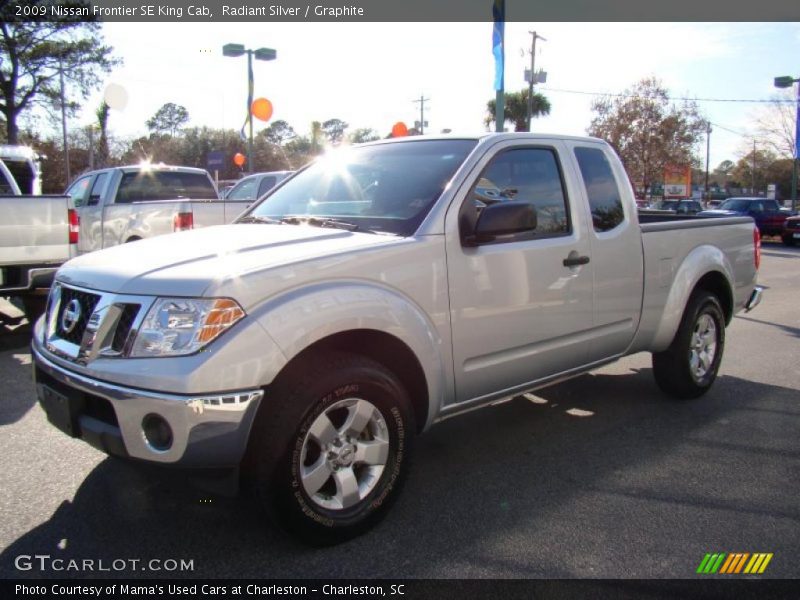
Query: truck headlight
[{"x": 180, "y": 326}]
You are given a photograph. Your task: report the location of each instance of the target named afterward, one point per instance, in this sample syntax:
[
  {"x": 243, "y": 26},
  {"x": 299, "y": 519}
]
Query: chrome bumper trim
[
  {"x": 209, "y": 430},
  {"x": 755, "y": 298}
]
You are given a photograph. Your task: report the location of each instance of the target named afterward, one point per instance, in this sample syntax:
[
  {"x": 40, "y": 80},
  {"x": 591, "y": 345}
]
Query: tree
[
  {"x": 775, "y": 124},
  {"x": 363, "y": 134},
  {"x": 102, "y": 114},
  {"x": 278, "y": 133},
  {"x": 168, "y": 119},
  {"x": 516, "y": 109},
  {"x": 751, "y": 168},
  {"x": 33, "y": 54},
  {"x": 334, "y": 130},
  {"x": 647, "y": 130}
]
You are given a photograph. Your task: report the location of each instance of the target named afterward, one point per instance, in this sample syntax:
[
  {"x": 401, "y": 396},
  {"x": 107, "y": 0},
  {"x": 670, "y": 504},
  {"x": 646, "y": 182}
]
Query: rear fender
[{"x": 698, "y": 263}]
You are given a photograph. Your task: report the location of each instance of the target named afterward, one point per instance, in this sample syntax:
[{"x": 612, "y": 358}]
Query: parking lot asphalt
[{"x": 602, "y": 476}]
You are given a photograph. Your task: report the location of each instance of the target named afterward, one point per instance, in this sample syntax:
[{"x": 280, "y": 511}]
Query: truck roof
[{"x": 492, "y": 136}]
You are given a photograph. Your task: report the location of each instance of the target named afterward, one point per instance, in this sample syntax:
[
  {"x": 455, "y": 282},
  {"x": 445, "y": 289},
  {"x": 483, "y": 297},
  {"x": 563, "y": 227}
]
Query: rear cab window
[
  {"x": 139, "y": 186},
  {"x": 602, "y": 191}
]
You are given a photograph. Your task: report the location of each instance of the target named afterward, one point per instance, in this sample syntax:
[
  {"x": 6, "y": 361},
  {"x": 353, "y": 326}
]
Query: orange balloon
[
  {"x": 261, "y": 109},
  {"x": 239, "y": 159},
  {"x": 399, "y": 129}
]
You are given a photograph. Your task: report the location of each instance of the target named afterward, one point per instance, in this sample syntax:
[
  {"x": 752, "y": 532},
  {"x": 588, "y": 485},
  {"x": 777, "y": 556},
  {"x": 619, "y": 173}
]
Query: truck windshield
[{"x": 386, "y": 188}]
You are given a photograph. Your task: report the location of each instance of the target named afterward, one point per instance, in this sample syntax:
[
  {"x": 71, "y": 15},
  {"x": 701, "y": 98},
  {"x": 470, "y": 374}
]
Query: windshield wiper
[
  {"x": 322, "y": 222},
  {"x": 257, "y": 219}
]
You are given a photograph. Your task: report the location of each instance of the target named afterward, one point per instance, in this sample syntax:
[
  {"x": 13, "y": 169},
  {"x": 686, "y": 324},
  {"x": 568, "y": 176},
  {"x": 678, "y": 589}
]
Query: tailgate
[{"x": 34, "y": 230}]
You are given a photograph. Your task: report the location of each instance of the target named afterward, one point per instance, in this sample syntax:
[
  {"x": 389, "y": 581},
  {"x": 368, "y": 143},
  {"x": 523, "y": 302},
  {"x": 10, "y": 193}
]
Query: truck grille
[
  {"x": 79, "y": 306},
  {"x": 124, "y": 325}
]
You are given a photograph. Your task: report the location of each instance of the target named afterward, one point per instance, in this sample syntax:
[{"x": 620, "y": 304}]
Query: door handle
[{"x": 576, "y": 261}]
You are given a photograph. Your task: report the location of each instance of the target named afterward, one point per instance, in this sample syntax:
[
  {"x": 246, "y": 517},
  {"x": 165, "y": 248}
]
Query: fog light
[{"x": 157, "y": 433}]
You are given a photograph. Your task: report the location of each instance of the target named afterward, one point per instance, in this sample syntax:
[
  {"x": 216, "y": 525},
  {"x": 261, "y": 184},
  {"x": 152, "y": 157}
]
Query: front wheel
[
  {"x": 688, "y": 368},
  {"x": 332, "y": 452}
]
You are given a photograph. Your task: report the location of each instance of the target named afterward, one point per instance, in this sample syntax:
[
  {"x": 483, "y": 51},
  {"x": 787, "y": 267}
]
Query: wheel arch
[
  {"x": 384, "y": 348},
  {"x": 370, "y": 320},
  {"x": 706, "y": 268}
]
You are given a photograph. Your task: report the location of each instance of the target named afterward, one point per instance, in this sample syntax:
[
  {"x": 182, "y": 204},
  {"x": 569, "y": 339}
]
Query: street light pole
[
  {"x": 529, "y": 114},
  {"x": 250, "y": 84},
  {"x": 708, "y": 153},
  {"x": 787, "y": 82},
  {"x": 235, "y": 50}
]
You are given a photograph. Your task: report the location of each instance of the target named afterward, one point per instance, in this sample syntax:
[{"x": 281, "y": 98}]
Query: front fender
[
  {"x": 298, "y": 318},
  {"x": 698, "y": 263}
]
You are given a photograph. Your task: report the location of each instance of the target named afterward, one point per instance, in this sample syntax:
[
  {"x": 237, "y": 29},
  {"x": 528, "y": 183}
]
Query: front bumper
[{"x": 205, "y": 431}]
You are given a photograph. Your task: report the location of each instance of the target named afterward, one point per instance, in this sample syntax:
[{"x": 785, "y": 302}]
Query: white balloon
[{"x": 116, "y": 96}]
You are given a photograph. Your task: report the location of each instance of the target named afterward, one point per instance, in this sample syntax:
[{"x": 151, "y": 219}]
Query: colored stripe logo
[{"x": 735, "y": 563}]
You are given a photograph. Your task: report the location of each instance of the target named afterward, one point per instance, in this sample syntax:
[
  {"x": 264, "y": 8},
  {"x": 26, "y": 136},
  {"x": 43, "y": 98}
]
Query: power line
[
  {"x": 743, "y": 100},
  {"x": 728, "y": 129}
]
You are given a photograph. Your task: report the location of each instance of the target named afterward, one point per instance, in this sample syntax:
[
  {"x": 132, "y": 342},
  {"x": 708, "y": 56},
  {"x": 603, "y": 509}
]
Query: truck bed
[{"x": 672, "y": 246}]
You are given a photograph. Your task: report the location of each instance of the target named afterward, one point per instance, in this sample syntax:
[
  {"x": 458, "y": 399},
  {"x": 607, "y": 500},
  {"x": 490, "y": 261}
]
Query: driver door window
[{"x": 529, "y": 175}]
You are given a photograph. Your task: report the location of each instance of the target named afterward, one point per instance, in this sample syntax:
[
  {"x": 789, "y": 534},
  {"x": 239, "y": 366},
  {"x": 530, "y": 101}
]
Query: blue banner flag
[{"x": 498, "y": 43}]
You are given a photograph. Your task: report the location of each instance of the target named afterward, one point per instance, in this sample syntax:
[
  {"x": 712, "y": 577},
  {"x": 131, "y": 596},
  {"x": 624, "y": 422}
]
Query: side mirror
[{"x": 502, "y": 218}]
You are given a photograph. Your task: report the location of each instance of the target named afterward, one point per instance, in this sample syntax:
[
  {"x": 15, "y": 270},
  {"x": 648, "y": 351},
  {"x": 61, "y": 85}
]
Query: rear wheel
[
  {"x": 331, "y": 452},
  {"x": 688, "y": 368}
]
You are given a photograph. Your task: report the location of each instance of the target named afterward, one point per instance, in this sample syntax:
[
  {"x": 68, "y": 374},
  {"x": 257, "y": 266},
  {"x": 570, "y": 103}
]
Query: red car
[{"x": 791, "y": 231}]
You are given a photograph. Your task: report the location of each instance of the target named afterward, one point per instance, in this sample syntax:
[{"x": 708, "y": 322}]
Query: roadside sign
[{"x": 215, "y": 160}]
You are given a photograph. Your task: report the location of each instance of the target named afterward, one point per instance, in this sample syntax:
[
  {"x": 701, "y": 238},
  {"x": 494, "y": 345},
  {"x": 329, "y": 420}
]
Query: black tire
[
  {"x": 673, "y": 368},
  {"x": 282, "y": 445},
  {"x": 34, "y": 307}
]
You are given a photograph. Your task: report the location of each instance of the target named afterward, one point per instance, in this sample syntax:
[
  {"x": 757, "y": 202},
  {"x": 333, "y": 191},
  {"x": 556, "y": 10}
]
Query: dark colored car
[
  {"x": 766, "y": 213},
  {"x": 791, "y": 231}
]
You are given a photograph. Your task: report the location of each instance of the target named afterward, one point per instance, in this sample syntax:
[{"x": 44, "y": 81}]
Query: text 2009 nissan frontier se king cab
[{"x": 379, "y": 290}]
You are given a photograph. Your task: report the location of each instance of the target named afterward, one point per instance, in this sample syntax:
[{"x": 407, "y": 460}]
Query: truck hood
[{"x": 213, "y": 261}]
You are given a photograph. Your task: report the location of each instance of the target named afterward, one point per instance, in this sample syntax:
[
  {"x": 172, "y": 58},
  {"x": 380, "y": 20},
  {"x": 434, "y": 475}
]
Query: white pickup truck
[
  {"x": 380, "y": 290},
  {"x": 126, "y": 204},
  {"x": 37, "y": 235}
]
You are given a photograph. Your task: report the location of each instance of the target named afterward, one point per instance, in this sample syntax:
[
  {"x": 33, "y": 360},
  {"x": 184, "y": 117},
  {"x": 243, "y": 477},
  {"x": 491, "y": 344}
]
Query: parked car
[
  {"x": 254, "y": 186},
  {"x": 791, "y": 231},
  {"x": 372, "y": 295},
  {"x": 766, "y": 213},
  {"x": 680, "y": 207}
]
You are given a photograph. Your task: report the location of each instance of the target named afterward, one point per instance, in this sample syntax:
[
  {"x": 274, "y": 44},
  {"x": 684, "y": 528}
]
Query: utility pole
[
  {"x": 708, "y": 153},
  {"x": 529, "y": 114},
  {"x": 422, "y": 100},
  {"x": 64, "y": 122},
  {"x": 753, "y": 169}
]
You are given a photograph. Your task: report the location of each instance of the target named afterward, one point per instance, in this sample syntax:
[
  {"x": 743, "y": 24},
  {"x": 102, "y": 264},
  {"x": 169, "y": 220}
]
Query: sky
[{"x": 369, "y": 74}]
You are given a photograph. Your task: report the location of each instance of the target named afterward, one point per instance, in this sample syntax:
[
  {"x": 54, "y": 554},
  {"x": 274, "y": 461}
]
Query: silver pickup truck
[
  {"x": 380, "y": 290},
  {"x": 126, "y": 204}
]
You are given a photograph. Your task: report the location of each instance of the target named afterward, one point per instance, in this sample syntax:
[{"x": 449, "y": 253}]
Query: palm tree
[{"x": 516, "y": 109}]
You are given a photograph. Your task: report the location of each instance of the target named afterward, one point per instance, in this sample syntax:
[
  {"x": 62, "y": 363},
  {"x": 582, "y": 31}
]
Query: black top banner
[{"x": 397, "y": 10}]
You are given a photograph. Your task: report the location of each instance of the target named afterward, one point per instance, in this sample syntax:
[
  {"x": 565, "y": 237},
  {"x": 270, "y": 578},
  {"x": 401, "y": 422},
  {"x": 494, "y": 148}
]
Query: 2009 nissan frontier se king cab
[{"x": 383, "y": 288}]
